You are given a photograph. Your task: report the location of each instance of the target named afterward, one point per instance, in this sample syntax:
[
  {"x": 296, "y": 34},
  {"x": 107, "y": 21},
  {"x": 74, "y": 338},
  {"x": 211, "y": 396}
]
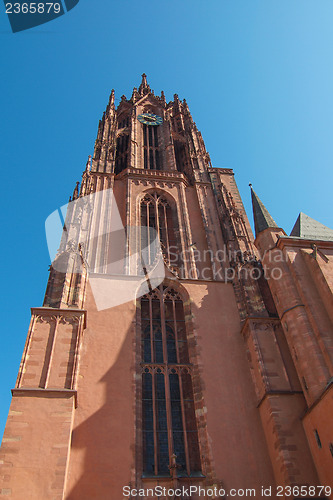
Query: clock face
[{"x": 150, "y": 119}]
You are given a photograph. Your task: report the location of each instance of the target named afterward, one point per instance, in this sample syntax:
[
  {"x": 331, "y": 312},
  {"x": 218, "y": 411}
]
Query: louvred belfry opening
[
  {"x": 152, "y": 158},
  {"x": 168, "y": 415}
]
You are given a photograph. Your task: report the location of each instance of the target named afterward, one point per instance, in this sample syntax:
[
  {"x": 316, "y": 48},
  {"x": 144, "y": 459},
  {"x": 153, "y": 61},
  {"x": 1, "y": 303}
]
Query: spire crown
[
  {"x": 111, "y": 100},
  {"x": 144, "y": 87},
  {"x": 261, "y": 216}
]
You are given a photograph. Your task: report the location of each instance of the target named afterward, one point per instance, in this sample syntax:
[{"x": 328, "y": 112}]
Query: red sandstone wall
[
  {"x": 35, "y": 446},
  {"x": 319, "y": 418},
  {"x": 237, "y": 440},
  {"x": 103, "y": 442},
  {"x": 102, "y": 453}
]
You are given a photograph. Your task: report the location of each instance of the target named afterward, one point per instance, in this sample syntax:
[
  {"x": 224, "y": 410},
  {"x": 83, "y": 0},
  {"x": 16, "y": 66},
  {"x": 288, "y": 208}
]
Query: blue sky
[{"x": 258, "y": 78}]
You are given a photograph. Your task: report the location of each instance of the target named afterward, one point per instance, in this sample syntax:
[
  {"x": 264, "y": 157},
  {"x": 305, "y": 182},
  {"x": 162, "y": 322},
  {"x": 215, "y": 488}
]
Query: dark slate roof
[
  {"x": 262, "y": 218},
  {"x": 306, "y": 227}
]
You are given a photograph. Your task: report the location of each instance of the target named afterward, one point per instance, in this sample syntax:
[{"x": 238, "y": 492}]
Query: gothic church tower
[{"x": 189, "y": 381}]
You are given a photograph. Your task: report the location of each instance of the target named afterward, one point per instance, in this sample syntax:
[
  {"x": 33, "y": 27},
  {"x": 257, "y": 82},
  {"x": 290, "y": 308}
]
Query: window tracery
[
  {"x": 158, "y": 216},
  {"x": 121, "y": 161},
  {"x": 168, "y": 414},
  {"x": 151, "y": 153}
]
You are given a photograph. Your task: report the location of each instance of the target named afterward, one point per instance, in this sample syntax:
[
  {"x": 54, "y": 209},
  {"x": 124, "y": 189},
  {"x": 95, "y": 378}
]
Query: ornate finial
[
  {"x": 144, "y": 80},
  {"x": 135, "y": 95},
  {"x": 88, "y": 165},
  {"x": 185, "y": 106},
  {"x": 123, "y": 98},
  {"x": 144, "y": 87},
  {"x": 111, "y": 100},
  {"x": 76, "y": 191}
]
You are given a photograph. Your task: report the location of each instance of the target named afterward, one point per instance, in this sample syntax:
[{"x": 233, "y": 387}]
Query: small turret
[{"x": 261, "y": 216}]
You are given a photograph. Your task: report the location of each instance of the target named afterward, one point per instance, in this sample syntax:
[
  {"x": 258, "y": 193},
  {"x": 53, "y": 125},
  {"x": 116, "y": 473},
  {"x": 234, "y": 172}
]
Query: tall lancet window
[
  {"x": 158, "y": 216},
  {"x": 121, "y": 153},
  {"x": 151, "y": 154},
  {"x": 168, "y": 416}
]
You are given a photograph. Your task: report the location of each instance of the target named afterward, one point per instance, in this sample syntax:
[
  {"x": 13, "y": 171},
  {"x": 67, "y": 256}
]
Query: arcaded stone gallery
[{"x": 173, "y": 349}]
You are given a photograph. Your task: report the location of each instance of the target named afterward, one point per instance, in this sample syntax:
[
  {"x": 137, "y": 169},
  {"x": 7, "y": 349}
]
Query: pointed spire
[
  {"x": 110, "y": 107},
  {"x": 144, "y": 80},
  {"x": 261, "y": 216},
  {"x": 144, "y": 87}
]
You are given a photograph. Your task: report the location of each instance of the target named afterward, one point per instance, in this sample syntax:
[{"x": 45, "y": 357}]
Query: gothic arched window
[
  {"x": 121, "y": 153},
  {"x": 151, "y": 154},
  {"x": 159, "y": 217},
  {"x": 168, "y": 415}
]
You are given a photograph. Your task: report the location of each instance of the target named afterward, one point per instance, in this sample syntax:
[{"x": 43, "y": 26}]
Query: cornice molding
[
  {"x": 216, "y": 170},
  {"x": 162, "y": 175},
  {"x": 51, "y": 311},
  {"x": 44, "y": 393},
  {"x": 294, "y": 241},
  {"x": 253, "y": 319}
]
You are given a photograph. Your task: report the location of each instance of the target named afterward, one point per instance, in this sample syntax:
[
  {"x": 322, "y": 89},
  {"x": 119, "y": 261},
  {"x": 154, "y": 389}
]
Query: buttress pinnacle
[
  {"x": 144, "y": 87},
  {"x": 111, "y": 100}
]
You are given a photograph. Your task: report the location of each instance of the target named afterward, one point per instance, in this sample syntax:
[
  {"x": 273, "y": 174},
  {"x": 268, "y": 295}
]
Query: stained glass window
[{"x": 168, "y": 413}]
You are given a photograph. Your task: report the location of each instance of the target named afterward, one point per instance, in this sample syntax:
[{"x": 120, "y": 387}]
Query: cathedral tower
[{"x": 158, "y": 357}]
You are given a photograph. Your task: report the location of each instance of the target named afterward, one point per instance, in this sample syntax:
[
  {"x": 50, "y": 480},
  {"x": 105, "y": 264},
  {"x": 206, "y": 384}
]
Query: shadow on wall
[{"x": 104, "y": 443}]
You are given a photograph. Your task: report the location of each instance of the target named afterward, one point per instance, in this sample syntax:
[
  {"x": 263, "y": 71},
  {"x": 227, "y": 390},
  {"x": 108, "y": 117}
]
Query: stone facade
[{"x": 257, "y": 317}]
